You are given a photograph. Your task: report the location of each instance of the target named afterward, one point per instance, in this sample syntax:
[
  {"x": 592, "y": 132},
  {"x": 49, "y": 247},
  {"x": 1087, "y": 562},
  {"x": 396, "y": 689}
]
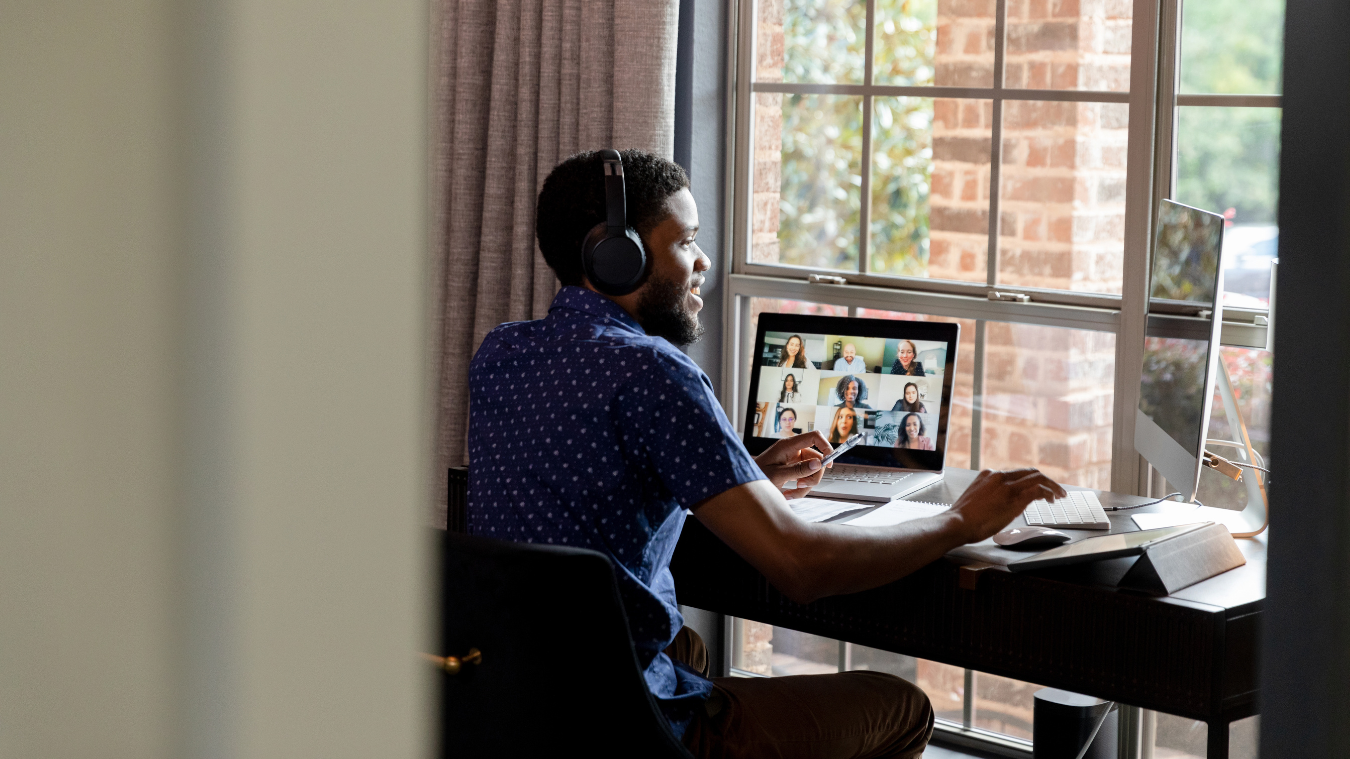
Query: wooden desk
[{"x": 1192, "y": 654}]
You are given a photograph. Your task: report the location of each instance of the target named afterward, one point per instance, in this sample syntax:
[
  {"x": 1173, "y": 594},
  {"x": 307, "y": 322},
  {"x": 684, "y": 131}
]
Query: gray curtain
[{"x": 519, "y": 86}]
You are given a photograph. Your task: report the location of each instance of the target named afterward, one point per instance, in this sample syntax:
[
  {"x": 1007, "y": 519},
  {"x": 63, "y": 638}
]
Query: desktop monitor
[
  {"x": 889, "y": 380},
  {"x": 1181, "y": 349}
]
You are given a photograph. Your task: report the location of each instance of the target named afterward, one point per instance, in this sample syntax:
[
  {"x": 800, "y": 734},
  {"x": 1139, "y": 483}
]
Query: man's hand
[
  {"x": 795, "y": 459},
  {"x": 994, "y": 499}
]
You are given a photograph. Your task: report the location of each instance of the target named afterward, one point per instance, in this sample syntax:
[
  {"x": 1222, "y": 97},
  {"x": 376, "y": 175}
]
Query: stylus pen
[{"x": 843, "y": 448}]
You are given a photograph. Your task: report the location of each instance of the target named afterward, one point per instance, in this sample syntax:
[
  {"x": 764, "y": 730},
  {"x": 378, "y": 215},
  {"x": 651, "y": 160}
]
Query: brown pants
[{"x": 859, "y": 715}]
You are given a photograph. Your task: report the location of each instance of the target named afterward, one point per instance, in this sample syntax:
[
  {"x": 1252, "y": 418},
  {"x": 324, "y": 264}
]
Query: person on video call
[
  {"x": 851, "y": 392},
  {"x": 789, "y": 393},
  {"x": 904, "y": 360},
  {"x": 844, "y": 424},
  {"x": 849, "y": 361},
  {"x": 595, "y": 462},
  {"x": 786, "y": 421},
  {"x": 910, "y": 401},
  {"x": 793, "y": 353},
  {"x": 912, "y": 434}
]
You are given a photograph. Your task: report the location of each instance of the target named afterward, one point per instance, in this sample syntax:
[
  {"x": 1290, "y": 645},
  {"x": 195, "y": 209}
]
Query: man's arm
[{"x": 806, "y": 561}]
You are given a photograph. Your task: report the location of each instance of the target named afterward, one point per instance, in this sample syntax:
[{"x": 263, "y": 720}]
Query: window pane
[
  {"x": 945, "y": 686},
  {"x": 1068, "y": 45},
  {"x": 807, "y": 182},
  {"x": 1047, "y": 402},
  {"x": 1232, "y": 49},
  {"x": 876, "y": 660},
  {"x": 799, "y": 653},
  {"x": 963, "y": 385},
  {"x": 902, "y": 169},
  {"x": 1228, "y": 162},
  {"x": 1003, "y": 705},
  {"x": 1181, "y": 738},
  {"x": 907, "y": 34},
  {"x": 1062, "y": 208},
  {"x": 958, "y": 246},
  {"x": 776, "y": 306},
  {"x": 811, "y": 41},
  {"x": 752, "y": 646}
]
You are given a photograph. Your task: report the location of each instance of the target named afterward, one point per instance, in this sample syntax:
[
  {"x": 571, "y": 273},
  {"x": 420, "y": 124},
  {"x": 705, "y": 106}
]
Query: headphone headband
[
  {"x": 614, "y": 260},
  {"x": 616, "y": 204}
]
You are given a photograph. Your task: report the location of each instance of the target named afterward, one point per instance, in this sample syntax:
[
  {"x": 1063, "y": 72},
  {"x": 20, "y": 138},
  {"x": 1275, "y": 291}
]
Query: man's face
[
  {"x": 668, "y": 303},
  {"x": 850, "y": 352}
]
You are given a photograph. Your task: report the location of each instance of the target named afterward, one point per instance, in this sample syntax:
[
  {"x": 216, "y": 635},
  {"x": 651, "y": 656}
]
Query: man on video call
[{"x": 589, "y": 428}]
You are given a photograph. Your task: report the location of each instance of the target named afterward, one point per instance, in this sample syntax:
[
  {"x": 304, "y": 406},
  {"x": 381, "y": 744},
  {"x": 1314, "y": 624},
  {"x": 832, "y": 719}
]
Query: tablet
[{"x": 1102, "y": 547}]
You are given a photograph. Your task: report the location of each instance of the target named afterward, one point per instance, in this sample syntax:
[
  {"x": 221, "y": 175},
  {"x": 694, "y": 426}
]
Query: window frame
[{"x": 1151, "y": 164}]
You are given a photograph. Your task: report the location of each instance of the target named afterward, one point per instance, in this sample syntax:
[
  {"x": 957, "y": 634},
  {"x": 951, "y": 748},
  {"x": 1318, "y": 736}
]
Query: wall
[{"x": 212, "y": 221}]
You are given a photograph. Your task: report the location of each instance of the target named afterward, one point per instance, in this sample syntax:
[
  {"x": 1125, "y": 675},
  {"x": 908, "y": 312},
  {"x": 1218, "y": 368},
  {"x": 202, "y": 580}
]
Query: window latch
[
  {"x": 826, "y": 279},
  {"x": 1009, "y": 297}
]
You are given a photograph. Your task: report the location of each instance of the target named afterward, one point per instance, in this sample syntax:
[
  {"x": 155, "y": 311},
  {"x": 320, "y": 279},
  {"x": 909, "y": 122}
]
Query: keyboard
[
  {"x": 844, "y": 473},
  {"x": 1080, "y": 511}
]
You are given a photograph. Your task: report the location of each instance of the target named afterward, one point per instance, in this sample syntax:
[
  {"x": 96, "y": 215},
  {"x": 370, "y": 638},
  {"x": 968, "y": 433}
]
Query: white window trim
[{"x": 1149, "y": 177}]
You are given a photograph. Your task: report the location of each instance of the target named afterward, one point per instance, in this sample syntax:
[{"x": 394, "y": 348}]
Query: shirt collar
[{"x": 594, "y": 304}]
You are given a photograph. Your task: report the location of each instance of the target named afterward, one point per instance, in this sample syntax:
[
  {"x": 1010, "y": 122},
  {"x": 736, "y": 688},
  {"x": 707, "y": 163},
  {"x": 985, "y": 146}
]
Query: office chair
[{"x": 554, "y": 670}]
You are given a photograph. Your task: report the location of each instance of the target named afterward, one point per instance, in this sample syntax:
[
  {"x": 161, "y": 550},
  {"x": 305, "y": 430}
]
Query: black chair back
[{"x": 558, "y": 672}]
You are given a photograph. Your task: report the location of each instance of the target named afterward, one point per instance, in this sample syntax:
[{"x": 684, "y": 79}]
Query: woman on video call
[
  {"x": 786, "y": 421},
  {"x": 789, "y": 393},
  {"x": 851, "y": 392},
  {"x": 845, "y": 423},
  {"x": 911, "y": 400},
  {"x": 911, "y": 434},
  {"x": 793, "y": 354},
  {"x": 904, "y": 360}
]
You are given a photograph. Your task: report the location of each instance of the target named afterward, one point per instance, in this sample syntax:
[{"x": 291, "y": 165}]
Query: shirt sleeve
[{"x": 681, "y": 428}]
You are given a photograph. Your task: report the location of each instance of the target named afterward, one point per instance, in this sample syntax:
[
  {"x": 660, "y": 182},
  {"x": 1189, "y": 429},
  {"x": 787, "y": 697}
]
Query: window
[{"x": 998, "y": 163}]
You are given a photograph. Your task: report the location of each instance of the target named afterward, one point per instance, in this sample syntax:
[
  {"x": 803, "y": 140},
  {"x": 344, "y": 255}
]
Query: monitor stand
[{"x": 1246, "y": 523}]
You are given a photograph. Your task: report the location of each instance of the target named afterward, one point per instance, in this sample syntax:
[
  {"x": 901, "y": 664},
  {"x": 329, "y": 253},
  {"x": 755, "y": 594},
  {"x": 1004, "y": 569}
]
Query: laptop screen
[{"x": 890, "y": 381}]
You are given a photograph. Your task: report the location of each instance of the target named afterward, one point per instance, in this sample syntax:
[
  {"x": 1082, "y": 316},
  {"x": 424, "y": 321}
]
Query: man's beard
[{"x": 661, "y": 312}]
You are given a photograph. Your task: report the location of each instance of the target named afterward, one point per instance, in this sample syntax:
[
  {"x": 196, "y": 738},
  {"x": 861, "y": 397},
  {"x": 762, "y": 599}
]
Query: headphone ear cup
[{"x": 615, "y": 265}]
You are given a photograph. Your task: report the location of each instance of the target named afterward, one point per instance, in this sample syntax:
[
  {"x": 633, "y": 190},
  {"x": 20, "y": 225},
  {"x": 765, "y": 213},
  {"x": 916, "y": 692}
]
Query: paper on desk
[
  {"x": 896, "y": 512},
  {"x": 820, "y": 509}
]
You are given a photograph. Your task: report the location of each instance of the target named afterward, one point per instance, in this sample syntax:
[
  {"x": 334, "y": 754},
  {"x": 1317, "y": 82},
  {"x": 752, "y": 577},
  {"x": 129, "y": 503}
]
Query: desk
[{"x": 1193, "y": 654}]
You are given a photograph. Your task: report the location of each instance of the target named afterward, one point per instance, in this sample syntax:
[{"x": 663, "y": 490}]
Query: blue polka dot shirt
[{"x": 585, "y": 431}]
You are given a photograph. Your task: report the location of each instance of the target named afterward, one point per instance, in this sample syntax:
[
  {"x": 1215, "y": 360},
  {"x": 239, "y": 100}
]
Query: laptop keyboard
[
  {"x": 1081, "y": 510},
  {"x": 843, "y": 473}
]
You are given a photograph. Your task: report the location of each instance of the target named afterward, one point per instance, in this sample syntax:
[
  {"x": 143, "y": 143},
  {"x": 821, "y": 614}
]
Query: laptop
[{"x": 887, "y": 380}]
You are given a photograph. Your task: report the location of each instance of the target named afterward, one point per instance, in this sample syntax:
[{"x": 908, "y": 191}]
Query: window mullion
[
  {"x": 996, "y": 139},
  {"x": 741, "y": 160},
  {"x": 977, "y": 396},
  {"x": 865, "y": 160},
  {"x": 1146, "y": 53}
]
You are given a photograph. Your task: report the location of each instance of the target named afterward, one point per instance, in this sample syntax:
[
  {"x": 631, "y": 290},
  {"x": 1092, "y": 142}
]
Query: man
[
  {"x": 589, "y": 428},
  {"x": 849, "y": 361}
]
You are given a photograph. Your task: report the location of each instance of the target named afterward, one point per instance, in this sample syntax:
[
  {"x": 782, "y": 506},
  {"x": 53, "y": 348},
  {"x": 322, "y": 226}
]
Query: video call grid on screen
[{"x": 889, "y": 380}]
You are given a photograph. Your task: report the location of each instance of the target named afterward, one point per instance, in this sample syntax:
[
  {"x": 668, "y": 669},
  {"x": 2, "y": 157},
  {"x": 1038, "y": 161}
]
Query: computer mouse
[{"x": 1031, "y": 537}]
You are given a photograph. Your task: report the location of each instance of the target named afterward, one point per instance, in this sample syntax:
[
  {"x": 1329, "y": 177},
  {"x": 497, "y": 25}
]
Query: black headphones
[{"x": 613, "y": 257}]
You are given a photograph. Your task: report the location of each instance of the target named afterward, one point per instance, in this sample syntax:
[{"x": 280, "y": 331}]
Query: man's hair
[{"x": 572, "y": 202}]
